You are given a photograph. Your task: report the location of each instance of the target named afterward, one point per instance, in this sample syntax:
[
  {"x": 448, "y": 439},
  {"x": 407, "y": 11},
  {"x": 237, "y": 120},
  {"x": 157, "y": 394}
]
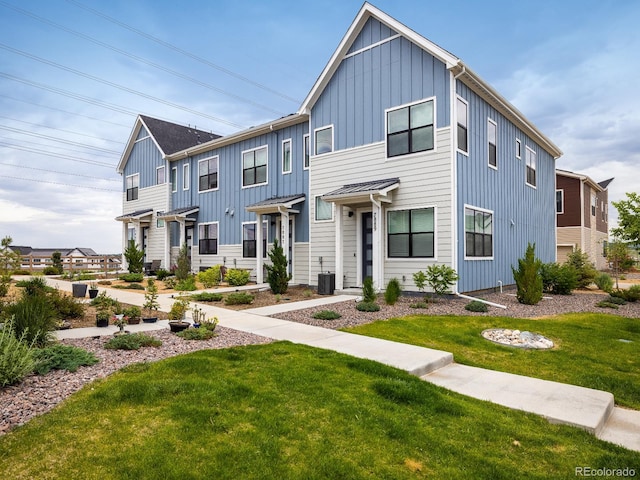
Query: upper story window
[
  {"x": 286, "y": 156},
  {"x": 254, "y": 167},
  {"x": 492, "y": 139},
  {"x": 159, "y": 219},
  {"x": 208, "y": 174},
  {"x": 208, "y": 238},
  {"x": 463, "y": 126},
  {"x": 160, "y": 175},
  {"x": 531, "y": 167},
  {"x": 133, "y": 184},
  {"x": 410, "y": 129},
  {"x": 594, "y": 204},
  {"x": 324, "y": 210},
  {"x": 249, "y": 245},
  {"x": 478, "y": 230},
  {"x": 174, "y": 179},
  {"x": 518, "y": 148},
  {"x": 306, "y": 151},
  {"x": 559, "y": 201},
  {"x": 411, "y": 233},
  {"x": 186, "y": 177},
  {"x": 324, "y": 140}
]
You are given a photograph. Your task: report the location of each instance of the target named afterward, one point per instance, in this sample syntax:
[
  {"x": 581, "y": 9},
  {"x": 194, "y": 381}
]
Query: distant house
[
  {"x": 37, "y": 259},
  {"x": 582, "y": 216},
  {"x": 399, "y": 158}
]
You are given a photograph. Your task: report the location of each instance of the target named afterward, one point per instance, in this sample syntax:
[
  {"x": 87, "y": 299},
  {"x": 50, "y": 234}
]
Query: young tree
[
  {"x": 628, "y": 219},
  {"x": 579, "y": 260},
  {"x": 619, "y": 258},
  {"x": 528, "y": 278},
  {"x": 56, "y": 260},
  {"x": 441, "y": 278},
  {"x": 134, "y": 257},
  {"x": 183, "y": 263},
  {"x": 9, "y": 262},
  {"x": 277, "y": 275}
]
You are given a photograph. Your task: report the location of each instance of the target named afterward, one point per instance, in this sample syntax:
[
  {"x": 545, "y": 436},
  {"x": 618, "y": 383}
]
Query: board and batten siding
[
  {"x": 521, "y": 214},
  {"x": 425, "y": 181},
  {"x": 368, "y": 82},
  {"x": 143, "y": 159}
]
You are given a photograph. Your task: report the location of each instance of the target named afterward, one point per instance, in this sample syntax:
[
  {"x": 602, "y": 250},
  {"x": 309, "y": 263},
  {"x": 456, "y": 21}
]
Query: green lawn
[
  {"x": 286, "y": 411},
  {"x": 588, "y": 349}
]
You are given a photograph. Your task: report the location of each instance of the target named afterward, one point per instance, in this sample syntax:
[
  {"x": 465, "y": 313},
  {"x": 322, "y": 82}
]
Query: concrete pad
[
  {"x": 559, "y": 403},
  {"x": 623, "y": 428},
  {"x": 289, "y": 307}
]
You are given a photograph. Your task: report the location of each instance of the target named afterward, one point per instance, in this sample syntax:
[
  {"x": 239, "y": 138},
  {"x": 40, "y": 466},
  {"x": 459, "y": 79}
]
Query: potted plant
[
  {"x": 102, "y": 317},
  {"x": 133, "y": 313},
  {"x": 151, "y": 304},
  {"x": 120, "y": 320},
  {"x": 177, "y": 322},
  {"x": 93, "y": 290}
]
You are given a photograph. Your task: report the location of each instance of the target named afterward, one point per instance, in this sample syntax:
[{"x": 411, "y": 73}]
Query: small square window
[
  {"x": 410, "y": 129},
  {"x": 254, "y": 167}
]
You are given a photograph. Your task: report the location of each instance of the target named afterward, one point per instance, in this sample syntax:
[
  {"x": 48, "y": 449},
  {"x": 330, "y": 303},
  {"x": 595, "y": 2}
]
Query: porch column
[
  {"x": 167, "y": 246},
  {"x": 125, "y": 242},
  {"x": 284, "y": 234},
  {"x": 183, "y": 233},
  {"x": 138, "y": 234},
  {"x": 339, "y": 250},
  {"x": 259, "y": 259},
  {"x": 378, "y": 239}
]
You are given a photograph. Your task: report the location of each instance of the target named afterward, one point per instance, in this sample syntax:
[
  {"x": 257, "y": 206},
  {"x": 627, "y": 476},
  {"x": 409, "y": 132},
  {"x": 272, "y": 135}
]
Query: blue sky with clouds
[{"x": 75, "y": 72}]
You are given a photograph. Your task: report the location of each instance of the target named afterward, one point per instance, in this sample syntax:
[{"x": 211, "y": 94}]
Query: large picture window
[
  {"x": 208, "y": 238},
  {"x": 410, "y": 129},
  {"x": 208, "y": 174},
  {"x": 531, "y": 167},
  {"x": 478, "y": 229},
  {"x": 463, "y": 126},
  {"x": 132, "y": 184},
  {"x": 249, "y": 245},
  {"x": 254, "y": 167},
  {"x": 410, "y": 233}
]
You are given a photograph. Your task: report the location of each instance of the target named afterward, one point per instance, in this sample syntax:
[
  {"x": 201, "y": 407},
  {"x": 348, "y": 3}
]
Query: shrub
[
  {"x": 34, "y": 286},
  {"x": 206, "y": 297},
  {"x": 132, "y": 311},
  {"x": 151, "y": 296},
  {"x": 178, "y": 309},
  {"x": 103, "y": 301},
  {"x": 238, "y": 298},
  {"x": 604, "y": 282},
  {"x": 326, "y": 315},
  {"x": 476, "y": 306},
  {"x": 134, "y": 257},
  {"x": 419, "y": 305},
  {"x": 162, "y": 273},
  {"x": 420, "y": 279},
  {"x": 33, "y": 319},
  {"x": 277, "y": 273},
  {"x": 441, "y": 278},
  {"x": 131, "y": 277},
  {"x": 605, "y": 304},
  {"x": 584, "y": 268},
  {"x": 616, "y": 300},
  {"x": 16, "y": 356},
  {"x": 368, "y": 292},
  {"x": 133, "y": 341},
  {"x": 209, "y": 324},
  {"x": 196, "y": 334},
  {"x": 307, "y": 293},
  {"x": 393, "y": 292},
  {"x": 237, "y": 277},
  {"x": 183, "y": 263},
  {"x": 632, "y": 294},
  {"x": 367, "y": 307},
  {"x": 558, "y": 279},
  {"x": 62, "y": 357},
  {"x": 186, "y": 285},
  {"x": 170, "y": 282},
  {"x": 129, "y": 286},
  {"x": 210, "y": 277},
  {"x": 104, "y": 282},
  {"x": 528, "y": 278},
  {"x": 50, "y": 271},
  {"x": 65, "y": 306}
]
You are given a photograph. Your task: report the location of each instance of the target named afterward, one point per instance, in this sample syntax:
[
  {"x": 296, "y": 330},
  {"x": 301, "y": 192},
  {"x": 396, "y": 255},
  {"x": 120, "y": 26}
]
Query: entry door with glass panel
[
  {"x": 189, "y": 240},
  {"x": 367, "y": 245},
  {"x": 291, "y": 238}
]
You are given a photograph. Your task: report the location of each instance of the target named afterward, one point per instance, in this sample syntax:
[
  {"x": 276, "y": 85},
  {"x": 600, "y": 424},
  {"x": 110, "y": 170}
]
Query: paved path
[{"x": 592, "y": 410}]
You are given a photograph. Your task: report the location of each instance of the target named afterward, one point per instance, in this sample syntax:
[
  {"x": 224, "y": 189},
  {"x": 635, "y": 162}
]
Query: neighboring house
[
  {"x": 582, "y": 212},
  {"x": 34, "y": 259},
  {"x": 400, "y": 157}
]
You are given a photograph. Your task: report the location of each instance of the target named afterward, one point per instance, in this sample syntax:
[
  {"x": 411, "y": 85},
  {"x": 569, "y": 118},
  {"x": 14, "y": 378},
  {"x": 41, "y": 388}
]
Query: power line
[
  {"x": 57, "y": 147},
  {"x": 57, "y": 155},
  {"x": 61, "y": 173},
  {"x": 62, "y": 184},
  {"x": 56, "y": 139},
  {"x": 63, "y": 130},
  {"x": 184, "y": 52}
]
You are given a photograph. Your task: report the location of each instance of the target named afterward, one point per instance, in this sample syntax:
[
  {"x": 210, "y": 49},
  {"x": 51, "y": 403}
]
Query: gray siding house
[{"x": 400, "y": 157}]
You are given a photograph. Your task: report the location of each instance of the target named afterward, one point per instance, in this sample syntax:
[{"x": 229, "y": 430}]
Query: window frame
[
  {"x": 464, "y": 217},
  {"x": 594, "y": 204},
  {"x": 160, "y": 223},
  {"x": 186, "y": 176},
  {"x": 408, "y": 106},
  {"x": 208, "y": 159},
  {"x": 242, "y": 169},
  {"x": 464, "y": 127},
  {"x": 306, "y": 151},
  {"x": 173, "y": 179},
  {"x": 315, "y": 139},
  {"x": 518, "y": 149},
  {"x": 162, "y": 169},
  {"x": 561, "y": 192},
  {"x": 315, "y": 210},
  {"x": 135, "y": 190},
  {"x": 265, "y": 228},
  {"x": 492, "y": 123},
  {"x": 284, "y": 142},
  {"x": 531, "y": 154},
  {"x": 410, "y": 233},
  {"x": 200, "y": 239}
]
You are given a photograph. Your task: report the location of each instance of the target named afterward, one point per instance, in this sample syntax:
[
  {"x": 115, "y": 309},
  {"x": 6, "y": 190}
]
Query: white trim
[
  {"x": 526, "y": 165},
  {"x": 255, "y": 149},
  {"x": 186, "y": 176},
  {"x": 306, "y": 142},
  {"x": 143, "y": 138},
  {"x": 454, "y": 174},
  {"x": 493, "y": 232},
  {"x": 495, "y": 124},
  {"x": 174, "y": 171},
  {"x": 406, "y": 105},
  {"x": 372, "y": 46},
  {"x": 315, "y": 134},
  {"x": 455, "y": 122},
  {"x": 290, "y": 142},
  {"x": 217, "y": 157},
  {"x": 328, "y": 220},
  {"x": 518, "y": 149},
  {"x": 561, "y": 190},
  {"x": 164, "y": 167},
  {"x": 387, "y": 258}
]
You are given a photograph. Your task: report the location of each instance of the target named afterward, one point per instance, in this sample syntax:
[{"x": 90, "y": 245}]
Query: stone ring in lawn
[{"x": 516, "y": 338}]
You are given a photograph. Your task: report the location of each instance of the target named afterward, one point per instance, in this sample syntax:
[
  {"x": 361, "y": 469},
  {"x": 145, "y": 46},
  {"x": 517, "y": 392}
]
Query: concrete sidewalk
[{"x": 589, "y": 409}]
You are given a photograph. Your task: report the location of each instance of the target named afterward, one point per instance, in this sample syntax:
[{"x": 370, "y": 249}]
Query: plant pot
[
  {"x": 79, "y": 290},
  {"x": 134, "y": 321},
  {"x": 102, "y": 322},
  {"x": 150, "y": 319},
  {"x": 178, "y": 326},
  {"x": 93, "y": 292}
]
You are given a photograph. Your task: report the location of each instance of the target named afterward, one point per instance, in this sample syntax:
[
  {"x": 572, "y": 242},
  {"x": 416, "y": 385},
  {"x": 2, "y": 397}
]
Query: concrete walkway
[{"x": 589, "y": 409}]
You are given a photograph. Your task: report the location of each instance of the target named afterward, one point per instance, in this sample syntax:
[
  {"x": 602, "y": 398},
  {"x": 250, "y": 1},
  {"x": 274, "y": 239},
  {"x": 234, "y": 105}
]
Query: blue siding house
[{"x": 399, "y": 157}]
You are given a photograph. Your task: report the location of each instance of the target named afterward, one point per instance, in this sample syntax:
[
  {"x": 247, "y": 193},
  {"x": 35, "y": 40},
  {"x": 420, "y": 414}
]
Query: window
[
  {"x": 306, "y": 151},
  {"x": 286, "y": 156},
  {"x": 208, "y": 174},
  {"x": 594, "y": 204},
  {"x": 132, "y": 183},
  {"x": 174, "y": 179},
  {"x": 531, "y": 167},
  {"x": 411, "y": 233},
  {"x": 324, "y": 210},
  {"x": 324, "y": 140},
  {"x": 208, "y": 238},
  {"x": 186, "y": 180},
  {"x": 518, "y": 148},
  {"x": 492, "y": 137},
  {"x": 254, "y": 167},
  {"x": 159, "y": 221},
  {"x": 478, "y": 229},
  {"x": 410, "y": 129},
  {"x": 249, "y": 240},
  {"x": 463, "y": 119},
  {"x": 559, "y": 201},
  {"x": 160, "y": 178}
]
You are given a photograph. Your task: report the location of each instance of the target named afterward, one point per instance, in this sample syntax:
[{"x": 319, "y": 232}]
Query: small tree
[
  {"x": 277, "y": 275},
  {"x": 628, "y": 218},
  {"x": 420, "y": 279},
  {"x": 134, "y": 257},
  {"x": 441, "y": 278},
  {"x": 393, "y": 291},
  {"x": 368, "y": 292},
  {"x": 151, "y": 297},
  {"x": 618, "y": 257},
  {"x": 9, "y": 262},
  {"x": 585, "y": 270},
  {"x": 528, "y": 278},
  {"x": 56, "y": 260},
  {"x": 183, "y": 263}
]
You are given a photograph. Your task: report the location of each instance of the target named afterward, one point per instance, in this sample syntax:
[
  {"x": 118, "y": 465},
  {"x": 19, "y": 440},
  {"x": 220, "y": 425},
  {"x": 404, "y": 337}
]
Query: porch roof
[
  {"x": 358, "y": 192},
  {"x": 276, "y": 204},
  {"x": 137, "y": 215},
  {"x": 179, "y": 213}
]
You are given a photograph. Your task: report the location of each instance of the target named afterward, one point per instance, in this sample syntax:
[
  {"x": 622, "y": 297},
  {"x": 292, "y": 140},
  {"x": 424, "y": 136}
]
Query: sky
[{"x": 75, "y": 73}]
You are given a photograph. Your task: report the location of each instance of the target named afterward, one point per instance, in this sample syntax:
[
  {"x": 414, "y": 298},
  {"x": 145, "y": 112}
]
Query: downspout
[
  {"x": 454, "y": 176},
  {"x": 480, "y": 300}
]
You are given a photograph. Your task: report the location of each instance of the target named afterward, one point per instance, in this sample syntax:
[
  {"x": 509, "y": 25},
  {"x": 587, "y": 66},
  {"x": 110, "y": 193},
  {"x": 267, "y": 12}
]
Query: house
[
  {"x": 582, "y": 213},
  {"x": 37, "y": 259},
  {"x": 399, "y": 157}
]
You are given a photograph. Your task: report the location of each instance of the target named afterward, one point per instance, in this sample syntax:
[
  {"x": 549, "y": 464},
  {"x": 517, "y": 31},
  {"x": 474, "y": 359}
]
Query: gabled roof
[
  {"x": 600, "y": 186},
  {"x": 605, "y": 183},
  {"x": 87, "y": 252}
]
